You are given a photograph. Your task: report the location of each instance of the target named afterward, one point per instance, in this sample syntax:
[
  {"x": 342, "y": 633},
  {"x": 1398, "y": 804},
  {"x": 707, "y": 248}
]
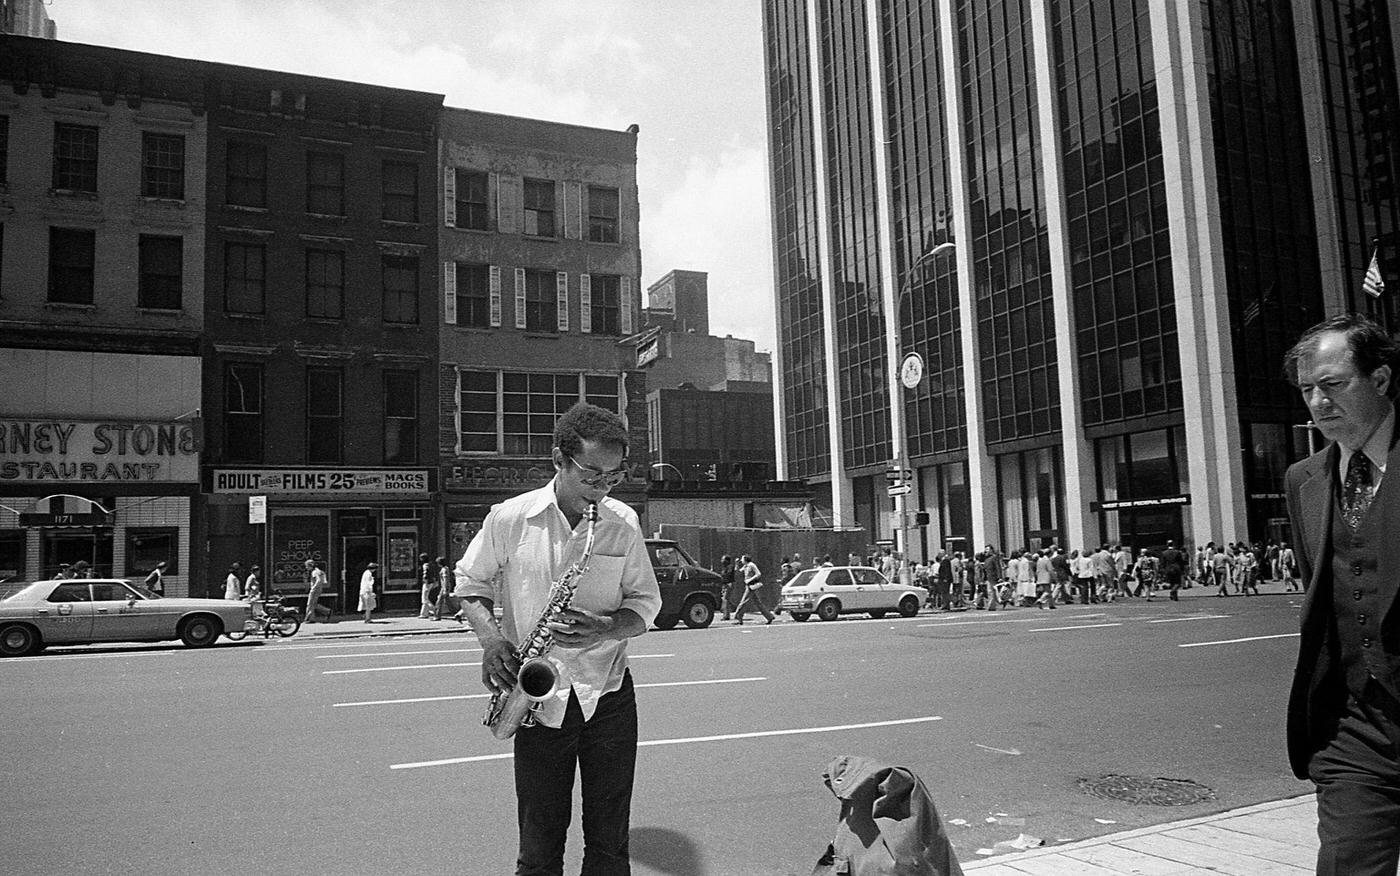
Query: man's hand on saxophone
[
  {"x": 578, "y": 628},
  {"x": 499, "y": 660}
]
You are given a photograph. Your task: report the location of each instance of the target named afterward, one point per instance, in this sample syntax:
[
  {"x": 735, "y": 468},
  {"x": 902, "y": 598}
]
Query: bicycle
[{"x": 275, "y": 618}]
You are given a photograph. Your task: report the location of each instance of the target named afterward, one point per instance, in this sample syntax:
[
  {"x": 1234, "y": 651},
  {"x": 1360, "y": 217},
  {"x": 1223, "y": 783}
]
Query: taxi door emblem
[{"x": 65, "y": 608}]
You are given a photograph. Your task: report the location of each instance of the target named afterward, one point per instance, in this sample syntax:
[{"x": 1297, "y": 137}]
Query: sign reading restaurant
[
  {"x": 395, "y": 482},
  {"x": 101, "y": 451}
]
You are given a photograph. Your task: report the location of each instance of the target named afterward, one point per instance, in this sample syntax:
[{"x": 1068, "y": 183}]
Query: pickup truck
[{"x": 689, "y": 592}]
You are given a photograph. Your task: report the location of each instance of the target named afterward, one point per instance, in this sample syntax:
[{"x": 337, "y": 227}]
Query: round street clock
[{"x": 911, "y": 370}]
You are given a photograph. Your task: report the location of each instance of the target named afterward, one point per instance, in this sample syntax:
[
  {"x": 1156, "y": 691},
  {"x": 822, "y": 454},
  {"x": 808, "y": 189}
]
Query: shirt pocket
[{"x": 600, "y": 587}]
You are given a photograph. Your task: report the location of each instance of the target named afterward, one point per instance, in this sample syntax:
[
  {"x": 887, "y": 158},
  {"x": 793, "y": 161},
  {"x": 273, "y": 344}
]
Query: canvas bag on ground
[{"x": 888, "y": 824}]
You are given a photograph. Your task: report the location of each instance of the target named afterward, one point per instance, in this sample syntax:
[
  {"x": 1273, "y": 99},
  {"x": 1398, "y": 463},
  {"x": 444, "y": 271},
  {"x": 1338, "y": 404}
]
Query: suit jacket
[{"x": 1319, "y": 690}]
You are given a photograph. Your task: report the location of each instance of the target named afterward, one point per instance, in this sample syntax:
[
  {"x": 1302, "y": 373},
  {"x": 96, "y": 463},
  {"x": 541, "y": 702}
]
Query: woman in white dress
[{"x": 367, "y": 603}]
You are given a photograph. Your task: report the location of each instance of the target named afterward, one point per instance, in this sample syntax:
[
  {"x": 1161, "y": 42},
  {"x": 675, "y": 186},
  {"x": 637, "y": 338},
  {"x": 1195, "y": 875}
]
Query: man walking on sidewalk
[{"x": 1344, "y": 708}]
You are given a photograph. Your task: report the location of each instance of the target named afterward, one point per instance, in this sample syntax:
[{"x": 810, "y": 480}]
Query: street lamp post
[
  {"x": 665, "y": 465},
  {"x": 904, "y": 373}
]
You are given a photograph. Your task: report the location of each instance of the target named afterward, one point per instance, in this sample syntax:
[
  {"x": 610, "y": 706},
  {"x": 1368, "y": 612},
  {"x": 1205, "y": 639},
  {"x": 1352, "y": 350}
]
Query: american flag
[{"x": 1374, "y": 284}]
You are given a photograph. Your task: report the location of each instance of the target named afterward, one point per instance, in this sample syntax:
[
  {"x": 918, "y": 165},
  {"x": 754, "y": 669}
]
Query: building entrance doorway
[{"x": 357, "y": 552}]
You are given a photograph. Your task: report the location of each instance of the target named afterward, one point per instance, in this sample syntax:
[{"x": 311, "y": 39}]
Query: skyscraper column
[
  {"x": 1079, "y": 484},
  {"x": 1321, "y": 162},
  {"x": 843, "y": 511},
  {"x": 1208, "y": 379},
  {"x": 981, "y": 475}
]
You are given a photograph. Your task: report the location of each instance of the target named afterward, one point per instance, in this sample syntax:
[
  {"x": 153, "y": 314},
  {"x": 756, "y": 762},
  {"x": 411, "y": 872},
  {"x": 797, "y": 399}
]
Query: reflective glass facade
[
  {"x": 1115, "y": 210},
  {"x": 1359, "y": 94},
  {"x": 797, "y": 266},
  {"x": 1011, "y": 261},
  {"x": 922, "y": 219},
  {"x": 850, "y": 146}
]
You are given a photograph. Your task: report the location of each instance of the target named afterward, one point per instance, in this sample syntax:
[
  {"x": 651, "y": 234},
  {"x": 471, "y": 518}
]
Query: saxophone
[{"x": 537, "y": 679}]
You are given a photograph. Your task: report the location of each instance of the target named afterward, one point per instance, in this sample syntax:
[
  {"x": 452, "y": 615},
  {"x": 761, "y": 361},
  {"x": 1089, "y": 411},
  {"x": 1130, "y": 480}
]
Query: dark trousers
[
  {"x": 753, "y": 598},
  {"x": 604, "y": 750},
  {"x": 1358, "y": 789}
]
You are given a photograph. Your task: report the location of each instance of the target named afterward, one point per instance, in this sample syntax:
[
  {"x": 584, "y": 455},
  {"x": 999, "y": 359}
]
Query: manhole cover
[{"x": 1153, "y": 792}]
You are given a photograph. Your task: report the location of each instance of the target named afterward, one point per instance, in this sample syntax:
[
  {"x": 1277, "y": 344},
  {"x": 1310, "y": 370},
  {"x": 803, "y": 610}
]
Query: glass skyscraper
[{"x": 1098, "y": 224}]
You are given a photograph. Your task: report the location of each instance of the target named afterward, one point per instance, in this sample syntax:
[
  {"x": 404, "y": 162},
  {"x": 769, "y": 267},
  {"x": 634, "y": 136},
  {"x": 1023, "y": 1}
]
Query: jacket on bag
[{"x": 888, "y": 825}]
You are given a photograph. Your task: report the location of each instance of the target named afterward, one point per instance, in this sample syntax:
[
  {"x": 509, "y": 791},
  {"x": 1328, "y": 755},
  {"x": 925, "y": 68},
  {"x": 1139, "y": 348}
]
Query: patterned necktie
[{"x": 1356, "y": 490}]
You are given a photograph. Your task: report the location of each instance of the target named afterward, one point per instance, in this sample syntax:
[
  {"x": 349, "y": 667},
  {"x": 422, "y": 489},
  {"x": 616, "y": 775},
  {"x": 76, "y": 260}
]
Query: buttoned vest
[{"x": 1359, "y": 596}]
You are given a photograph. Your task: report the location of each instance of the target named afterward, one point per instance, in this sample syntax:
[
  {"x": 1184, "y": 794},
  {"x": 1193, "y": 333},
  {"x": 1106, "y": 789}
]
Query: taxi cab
[{"x": 81, "y": 611}]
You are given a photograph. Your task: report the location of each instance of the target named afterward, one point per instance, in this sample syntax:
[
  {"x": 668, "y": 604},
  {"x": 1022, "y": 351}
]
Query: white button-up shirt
[{"x": 524, "y": 546}]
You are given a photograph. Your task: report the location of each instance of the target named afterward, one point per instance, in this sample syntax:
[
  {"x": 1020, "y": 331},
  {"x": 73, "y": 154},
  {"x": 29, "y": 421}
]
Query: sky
[{"x": 689, "y": 73}]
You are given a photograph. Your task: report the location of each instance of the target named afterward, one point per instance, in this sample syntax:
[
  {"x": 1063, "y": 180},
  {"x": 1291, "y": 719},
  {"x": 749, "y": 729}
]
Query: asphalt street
[{"x": 367, "y": 755}]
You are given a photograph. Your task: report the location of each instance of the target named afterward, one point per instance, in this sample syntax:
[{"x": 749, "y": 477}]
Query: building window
[
  {"x": 162, "y": 266},
  {"x": 473, "y": 295},
  {"x": 601, "y": 390},
  {"x": 471, "y": 200},
  {"x": 602, "y": 214},
  {"x": 400, "y": 191},
  {"x": 246, "y": 184},
  {"x": 606, "y": 304},
  {"x": 325, "y": 283},
  {"x": 400, "y": 417},
  {"x": 147, "y": 546},
  {"x": 324, "y": 412},
  {"x": 541, "y": 301},
  {"x": 12, "y": 553},
  {"x": 400, "y": 289},
  {"x": 539, "y": 207},
  {"x": 243, "y": 413},
  {"x": 162, "y": 166},
  {"x": 74, "y": 157},
  {"x": 71, "y": 259},
  {"x": 244, "y": 277},
  {"x": 325, "y": 183},
  {"x": 478, "y": 400},
  {"x": 4, "y": 149}
]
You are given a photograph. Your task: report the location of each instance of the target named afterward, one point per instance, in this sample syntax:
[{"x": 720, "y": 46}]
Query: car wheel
[
  {"x": 799, "y": 616},
  {"x": 877, "y": 614},
  {"x": 199, "y": 631},
  {"x": 829, "y": 610},
  {"x": 18, "y": 640},
  {"x": 697, "y": 613},
  {"x": 667, "y": 621},
  {"x": 909, "y": 606}
]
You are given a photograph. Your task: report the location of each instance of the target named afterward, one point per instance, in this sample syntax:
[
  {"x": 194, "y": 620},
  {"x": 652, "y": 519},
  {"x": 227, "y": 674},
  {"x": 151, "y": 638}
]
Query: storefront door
[{"x": 357, "y": 552}]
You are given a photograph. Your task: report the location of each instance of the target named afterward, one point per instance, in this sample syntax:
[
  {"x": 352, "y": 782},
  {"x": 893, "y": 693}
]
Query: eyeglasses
[{"x": 595, "y": 478}]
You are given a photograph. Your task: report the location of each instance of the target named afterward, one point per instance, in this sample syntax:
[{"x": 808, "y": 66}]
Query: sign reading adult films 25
[{"x": 379, "y": 482}]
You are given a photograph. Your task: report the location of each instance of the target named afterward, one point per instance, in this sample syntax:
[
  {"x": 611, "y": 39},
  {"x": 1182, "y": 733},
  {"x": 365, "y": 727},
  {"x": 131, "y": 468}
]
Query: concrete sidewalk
[
  {"x": 1267, "y": 839},
  {"x": 347, "y": 627}
]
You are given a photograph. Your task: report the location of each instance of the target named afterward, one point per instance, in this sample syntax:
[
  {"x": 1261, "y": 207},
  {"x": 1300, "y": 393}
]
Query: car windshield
[{"x": 803, "y": 578}]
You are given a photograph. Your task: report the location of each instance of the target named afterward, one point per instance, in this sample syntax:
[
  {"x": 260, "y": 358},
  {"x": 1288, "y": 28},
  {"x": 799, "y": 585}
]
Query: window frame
[
  {"x": 245, "y": 279},
  {"x": 247, "y": 423},
  {"x": 247, "y": 175},
  {"x": 603, "y": 228},
  {"x": 605, "y": 318},
  {"x": 396, "y": 420},
  {"x": 473, "y": 310},
  {"x": 467, "y": 207},
  {"x": 389, "y": 265},
  {"x": 134, "y": 550},
  {"x": 160, "y": 286},
  {"x": 162, "y": 170},
  {"x": 319, "y": 289},
  {"x": 330, "y": 190},
  {"x": 507, "y": 400},
  {"x": 75, "y": 172},
  {"x": 533, "y": 190},
  {"x": 541, "y": 301},
  {"x": 66, "y": 272},
  {"x": 325, "y": 416},
  {"x": 404, "y": 202}
]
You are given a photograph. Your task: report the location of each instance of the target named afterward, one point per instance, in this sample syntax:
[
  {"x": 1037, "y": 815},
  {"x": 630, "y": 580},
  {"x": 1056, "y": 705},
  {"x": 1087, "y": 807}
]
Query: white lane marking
[
  {"x": 445, "y": 666},
  {"x": 397, "y": 653},
  {"x": 1009, "y": 620},
  {"x": 1174, "y": 620},
  {"x": 359, "y": 642},
  {"x": 482, "y": 696},
  {"x": 1075, "y": 627},
  {"x": 726, "y": 737},
  {"x": 1010, "y": 751},
  {"x": 1236, "y": 641}
]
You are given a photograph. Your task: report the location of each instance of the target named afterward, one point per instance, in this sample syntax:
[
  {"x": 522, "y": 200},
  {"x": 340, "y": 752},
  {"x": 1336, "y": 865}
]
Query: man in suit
[
  {"x": 1344, "y": 708},
  {"x": 1173, "y": 563}
]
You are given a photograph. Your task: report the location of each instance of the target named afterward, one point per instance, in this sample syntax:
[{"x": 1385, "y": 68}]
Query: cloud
[{"x": 715, "y": 218}]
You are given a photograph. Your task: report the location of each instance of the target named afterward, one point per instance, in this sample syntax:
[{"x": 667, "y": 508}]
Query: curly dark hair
[
  {"x": 585, "y": 422},
  {"x": 1371, "y": 346}
]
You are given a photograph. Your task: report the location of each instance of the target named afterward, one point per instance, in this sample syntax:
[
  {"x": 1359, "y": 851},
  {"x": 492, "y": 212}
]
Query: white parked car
[{"x": 831, "y": 591}]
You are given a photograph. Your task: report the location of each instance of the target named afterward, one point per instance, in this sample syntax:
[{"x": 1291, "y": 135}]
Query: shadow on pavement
[{"x": 666, "y": 851}]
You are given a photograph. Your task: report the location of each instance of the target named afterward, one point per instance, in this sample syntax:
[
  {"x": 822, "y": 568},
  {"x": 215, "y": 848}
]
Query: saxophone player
[{"x": 589, "y": 723}]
